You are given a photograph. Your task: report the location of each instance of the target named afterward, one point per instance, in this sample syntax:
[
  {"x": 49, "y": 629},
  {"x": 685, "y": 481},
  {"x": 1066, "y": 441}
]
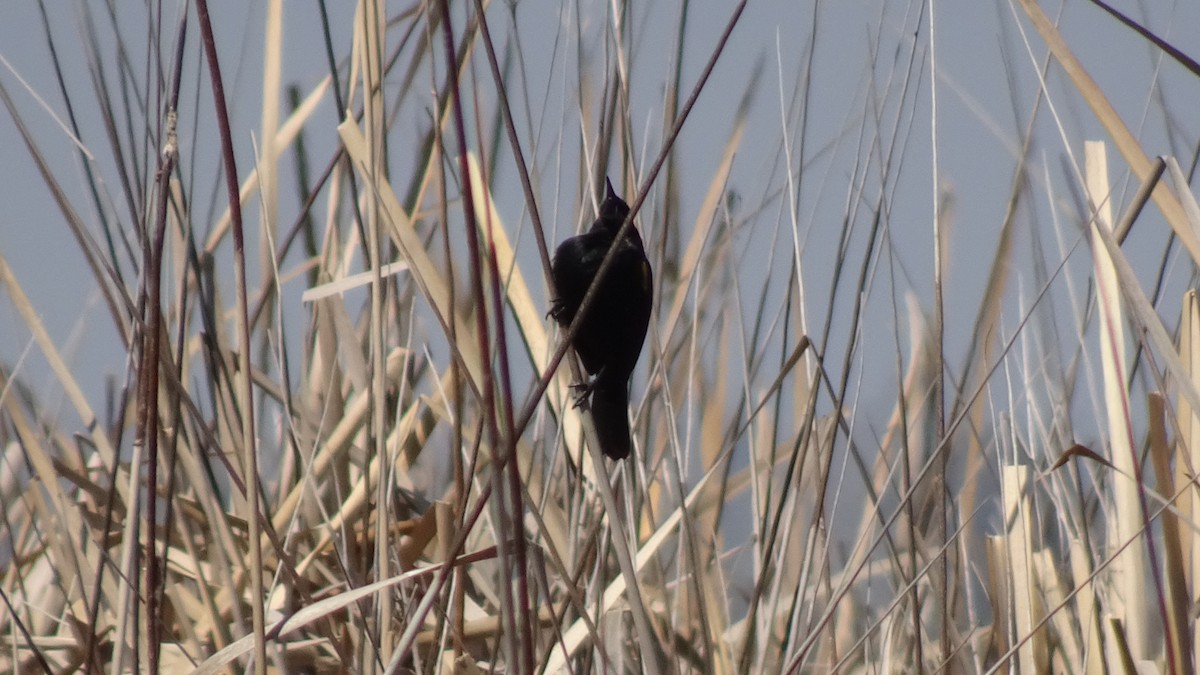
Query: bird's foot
[{"x": 581, "y": 391}]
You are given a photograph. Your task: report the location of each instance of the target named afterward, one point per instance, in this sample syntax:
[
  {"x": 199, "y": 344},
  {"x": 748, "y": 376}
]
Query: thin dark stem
[
  {"x": 151, "y": 341},
  {"x": 250, "y": 465},
  {"x": 489, "y": 411},
  {"x": 514, "y": 140}
]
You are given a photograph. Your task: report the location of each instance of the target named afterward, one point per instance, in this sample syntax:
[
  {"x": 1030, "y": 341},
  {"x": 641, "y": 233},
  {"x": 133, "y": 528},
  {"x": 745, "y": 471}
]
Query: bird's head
[{"x": 613, "y": 210}]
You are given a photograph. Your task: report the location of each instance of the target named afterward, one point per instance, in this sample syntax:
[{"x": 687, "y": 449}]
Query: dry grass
[{"x": 345, "y": 440}]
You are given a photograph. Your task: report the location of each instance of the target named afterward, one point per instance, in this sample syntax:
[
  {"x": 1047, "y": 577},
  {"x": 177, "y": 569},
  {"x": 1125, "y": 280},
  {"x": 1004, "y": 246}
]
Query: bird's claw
[{"x": 581, "y": 391}]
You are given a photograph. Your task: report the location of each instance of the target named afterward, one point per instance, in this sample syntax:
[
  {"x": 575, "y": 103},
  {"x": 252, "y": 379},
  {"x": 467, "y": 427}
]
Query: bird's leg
[{"x": 582, "y": 390}]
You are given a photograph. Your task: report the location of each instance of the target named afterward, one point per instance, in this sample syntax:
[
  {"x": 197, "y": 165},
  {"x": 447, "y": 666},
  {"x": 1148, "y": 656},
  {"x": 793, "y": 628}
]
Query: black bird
[{"x": 610, "y": 338}]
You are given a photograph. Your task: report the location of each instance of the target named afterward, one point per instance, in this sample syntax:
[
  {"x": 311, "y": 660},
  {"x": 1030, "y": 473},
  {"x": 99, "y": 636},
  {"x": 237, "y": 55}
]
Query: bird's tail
[{"x": 610, "y": 411}]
